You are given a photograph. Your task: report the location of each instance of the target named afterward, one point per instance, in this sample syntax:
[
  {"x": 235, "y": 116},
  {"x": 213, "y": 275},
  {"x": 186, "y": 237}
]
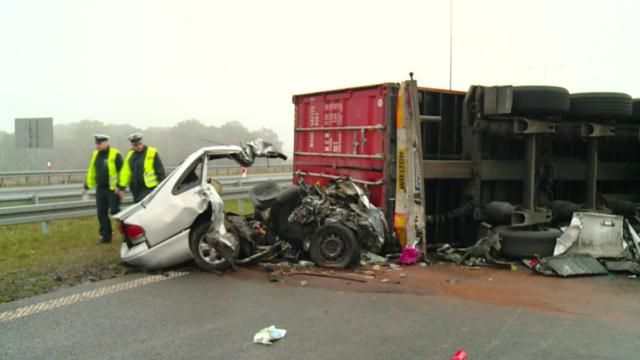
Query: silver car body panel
[
  {"x": 163, "y": 213},
  {"x": 170, "y": 252}
]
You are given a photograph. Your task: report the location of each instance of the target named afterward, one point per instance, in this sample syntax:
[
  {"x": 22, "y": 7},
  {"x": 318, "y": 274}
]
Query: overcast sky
[{"x": 154, "y": 63}]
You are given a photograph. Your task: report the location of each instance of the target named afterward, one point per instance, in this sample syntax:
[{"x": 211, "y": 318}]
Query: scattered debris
[
  {"x": 635, "y": 239},
  {"x": 368, "y": 272},
  {"x": 305, "y": 263},
  {"x": 376, "y": 267},
  {"x": 423, "y": 264},
  {"x": 575, "y": 264},
  {"x": 303, "y": 283},
  {"x": 403, "y": 275},
  {"x": 459, "y": 355},
  {"x": 385, "y": 280},
  {"x": 395, "y": 266},
  {"x": 598, "y": 235},
  {"x": 410, "y": 255},
  {"x": 452, "y": 281},
  {"x": 275, "y": 277},
  {"x": 269, "y": 334},
  {"x": 333, "y": 276},
  {"x": 370, "y": 258},
  {"x": 622, "y": 266}
]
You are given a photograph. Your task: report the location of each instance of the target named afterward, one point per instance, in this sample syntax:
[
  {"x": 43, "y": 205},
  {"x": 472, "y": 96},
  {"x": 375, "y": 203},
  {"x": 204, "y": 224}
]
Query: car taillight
[{"x": 133, "y": 232}]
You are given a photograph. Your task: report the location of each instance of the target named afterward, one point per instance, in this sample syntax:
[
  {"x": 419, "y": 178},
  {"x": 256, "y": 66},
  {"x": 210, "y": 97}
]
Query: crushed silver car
[{"x": 169, "y": 225}]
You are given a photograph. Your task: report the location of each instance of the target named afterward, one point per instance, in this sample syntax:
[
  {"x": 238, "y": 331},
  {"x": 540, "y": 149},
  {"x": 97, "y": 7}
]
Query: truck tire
[
  {"x": 205, "y": 256},
  {"x": 601, "y": 106},
  {"x": 527, "y": 242},
  {"x": 635, "y": 113},
  {"x": 540, "y": 100},
  {"x": 334, "y": 245}
]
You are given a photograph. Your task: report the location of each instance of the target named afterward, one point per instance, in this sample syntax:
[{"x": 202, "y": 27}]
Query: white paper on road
[{"x": 269, "y": 334}]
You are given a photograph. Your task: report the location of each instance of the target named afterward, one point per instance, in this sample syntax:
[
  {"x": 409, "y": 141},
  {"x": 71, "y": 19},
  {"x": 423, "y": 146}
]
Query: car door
[{"x": 175, "y": 211}]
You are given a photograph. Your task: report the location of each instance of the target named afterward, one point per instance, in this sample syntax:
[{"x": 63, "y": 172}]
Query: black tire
[
  {"x": 540, "y": 100},
  {"x": 334, "y": 246},
  {"x": 635, "y": 113},
  {"x": 204, "y": 256},
  {"x": 526, "y": 242},
  {"x": 601, "y": 106}
]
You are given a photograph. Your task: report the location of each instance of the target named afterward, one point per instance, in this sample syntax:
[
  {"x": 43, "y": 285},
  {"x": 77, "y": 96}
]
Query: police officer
[
  {"x": 142, "y": 170},
  {"x": 102, "y": 175}
]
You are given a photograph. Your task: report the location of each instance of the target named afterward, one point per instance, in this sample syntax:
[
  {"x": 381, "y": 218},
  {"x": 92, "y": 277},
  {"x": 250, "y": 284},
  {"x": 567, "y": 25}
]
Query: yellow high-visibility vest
[
  {"x": 113, "y": 171},
  {"x": 150, "y": 177}
]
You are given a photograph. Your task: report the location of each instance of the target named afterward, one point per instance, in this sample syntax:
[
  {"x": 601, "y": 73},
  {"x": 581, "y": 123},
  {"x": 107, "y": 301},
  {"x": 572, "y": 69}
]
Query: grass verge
[{"x": 33, "y": 263}]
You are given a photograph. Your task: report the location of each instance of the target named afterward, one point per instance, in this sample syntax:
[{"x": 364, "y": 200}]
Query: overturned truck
[{"x": 518, "y": 159}]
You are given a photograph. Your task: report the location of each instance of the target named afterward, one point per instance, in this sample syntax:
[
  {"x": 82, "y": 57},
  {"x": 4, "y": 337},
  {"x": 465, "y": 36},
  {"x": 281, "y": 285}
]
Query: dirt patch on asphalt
[{"x": 601, "y": 297}]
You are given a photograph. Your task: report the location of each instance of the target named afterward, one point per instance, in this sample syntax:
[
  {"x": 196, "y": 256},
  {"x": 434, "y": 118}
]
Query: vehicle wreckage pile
[
  {"x": 334, "y": 225},
  {"x": 591, "y": 244},
  {"x": 330, "y": 225}
]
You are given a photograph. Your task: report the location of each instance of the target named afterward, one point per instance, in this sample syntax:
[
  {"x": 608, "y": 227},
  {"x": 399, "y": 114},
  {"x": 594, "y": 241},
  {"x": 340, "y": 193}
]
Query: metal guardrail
[
  {"x": 49, "y": 174},
  {"x": 39, "y": 194},
  {"x": 237, "y": 188}
]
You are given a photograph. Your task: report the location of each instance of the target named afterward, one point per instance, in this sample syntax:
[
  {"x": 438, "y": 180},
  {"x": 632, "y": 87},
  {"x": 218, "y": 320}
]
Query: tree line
[{"x": 74, "y": 143}]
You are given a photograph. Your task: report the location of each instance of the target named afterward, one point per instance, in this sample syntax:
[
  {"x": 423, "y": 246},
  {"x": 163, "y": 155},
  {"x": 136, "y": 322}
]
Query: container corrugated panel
[{"x": 347, "y": 133}]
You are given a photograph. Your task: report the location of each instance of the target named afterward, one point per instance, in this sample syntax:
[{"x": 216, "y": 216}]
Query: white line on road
[{"x": 91, "y": 294}]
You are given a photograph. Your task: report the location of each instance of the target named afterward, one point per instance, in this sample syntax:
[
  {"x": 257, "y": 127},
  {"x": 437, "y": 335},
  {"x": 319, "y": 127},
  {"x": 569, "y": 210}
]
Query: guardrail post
[
  {"x": 36, "y": 199},
  {"x": 241, "y": 206},
  {"x": 45, "y": 227}
]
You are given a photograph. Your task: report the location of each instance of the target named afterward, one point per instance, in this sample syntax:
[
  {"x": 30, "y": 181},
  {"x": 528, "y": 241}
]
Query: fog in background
[
  {"x": 74, "y": 143},
  {"x": 149, "y": 64}
]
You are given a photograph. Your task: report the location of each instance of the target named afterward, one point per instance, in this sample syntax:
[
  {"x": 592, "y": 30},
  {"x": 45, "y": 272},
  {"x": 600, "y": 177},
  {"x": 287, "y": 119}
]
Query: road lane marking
[{"x": 87, "y": 295}]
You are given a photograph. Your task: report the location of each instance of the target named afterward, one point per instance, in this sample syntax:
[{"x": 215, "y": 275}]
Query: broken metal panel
[
  {"x": 623, "y": 266},
  {"x": 600, "y": 236},
  {"x": 575, "y": 265}
]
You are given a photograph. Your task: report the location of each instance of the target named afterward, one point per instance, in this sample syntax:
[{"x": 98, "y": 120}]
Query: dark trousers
[
  {"x": 139, "y": 194},
  {"x": 106, "y": 200}
]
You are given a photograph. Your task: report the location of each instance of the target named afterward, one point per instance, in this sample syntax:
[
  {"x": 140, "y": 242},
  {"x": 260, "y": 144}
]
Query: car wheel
[
  {"x": 601, "y": 106},
  {"x": 206, "y": 257},
  {"x": 540, "y": 100},
  {"x": 527, "y": 242},
  {"x": 334, "y": 245}
]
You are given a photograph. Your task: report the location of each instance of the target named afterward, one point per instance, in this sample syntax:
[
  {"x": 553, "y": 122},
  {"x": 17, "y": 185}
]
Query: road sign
[{"x": 34, "y": 133}]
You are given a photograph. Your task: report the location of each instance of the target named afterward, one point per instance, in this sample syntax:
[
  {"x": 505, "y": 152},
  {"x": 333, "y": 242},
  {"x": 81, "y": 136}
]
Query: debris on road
[
  {"x": 326, "y": 275},
  {"x": 370, "y": 258},
  {"x": 622, "y": 266},
  {"x": 575, "y": 265},
  {"x": 459, "y": 355},
  {"x": 269, "y": 334},
  {"x": 410, "y": 255}
]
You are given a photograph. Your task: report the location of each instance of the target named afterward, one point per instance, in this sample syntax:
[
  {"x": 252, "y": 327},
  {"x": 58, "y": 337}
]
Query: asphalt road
[{"x": 423, "y": 314}]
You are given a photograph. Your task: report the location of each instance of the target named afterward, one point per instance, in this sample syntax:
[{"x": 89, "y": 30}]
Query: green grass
[{"x": 32, "y": 263}]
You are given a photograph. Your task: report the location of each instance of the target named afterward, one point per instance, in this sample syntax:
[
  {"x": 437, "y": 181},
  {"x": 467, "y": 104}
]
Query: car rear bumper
[{"x": 171, "y": 252}]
